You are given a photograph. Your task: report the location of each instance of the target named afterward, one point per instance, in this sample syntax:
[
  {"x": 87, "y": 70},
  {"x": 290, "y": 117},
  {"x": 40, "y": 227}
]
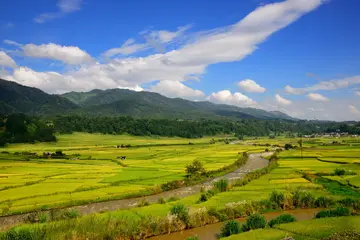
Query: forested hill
[
  {"x": 149, "y": 104},
  {"x": 16, "y": 98}
]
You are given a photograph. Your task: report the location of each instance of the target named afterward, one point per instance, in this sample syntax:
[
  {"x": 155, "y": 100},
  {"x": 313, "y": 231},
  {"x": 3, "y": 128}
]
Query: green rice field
[
  {"x": 305, "y": 230},
  {"x": 95, "y": 173}
]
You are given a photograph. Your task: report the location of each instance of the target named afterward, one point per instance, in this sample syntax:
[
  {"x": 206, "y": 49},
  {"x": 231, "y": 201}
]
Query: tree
[{"x": 195, "y": 169}]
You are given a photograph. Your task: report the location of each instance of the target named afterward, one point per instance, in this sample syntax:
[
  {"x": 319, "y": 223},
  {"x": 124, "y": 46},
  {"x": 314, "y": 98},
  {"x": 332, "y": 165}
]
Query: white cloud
[
  {"x": 357, "y": 94},
  {"x": 10, "y": 42},
  {"x": 167, "y": 36},
  {"x": 66, "y": 54},
  {"x": 227, "y": 44},
  {"x": 282, "y": 100},
  {"x": 135, "y": 88},
  {"x": 250, "y": 86},
  {"x": 326, "y": 85},
  {"x": 317, "y": 97},
  {"x": 354, "y": 110},
  {"x": 6, "y": 60},
  {"x": 176, "y": 89},
  {"x": 237, "y": 99},
  {"x": 127, "y": 48},
  {"x": 65, "y": 7}
]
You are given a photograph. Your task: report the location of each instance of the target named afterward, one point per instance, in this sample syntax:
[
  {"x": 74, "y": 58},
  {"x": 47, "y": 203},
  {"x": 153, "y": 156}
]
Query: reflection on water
[{"x": 209, "y": 232}]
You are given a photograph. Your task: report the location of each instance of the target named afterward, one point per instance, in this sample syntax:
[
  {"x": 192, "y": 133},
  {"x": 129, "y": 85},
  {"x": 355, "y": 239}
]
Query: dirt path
[{"x": 254, "y": 162}]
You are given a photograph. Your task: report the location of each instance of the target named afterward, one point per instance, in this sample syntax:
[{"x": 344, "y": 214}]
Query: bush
[
  {"x": 284, "y": 218},
  {"x": 339, "y": 172},
  {"x": 161, "y": 200},
  {"x": 222, "y": 185},
  {"x": 255, "y": 221},
  {"x": 217, "y": 214},
  {"x": 229, "y": 228},
  {"x": 288, "y": 146},
  {"x": 277, "y": 198},
  {"x": 173, "y": 199},
  {"x": 195, "y": 169},
  {"x": 204, "y": 197},
  {"x": 338, "y": 212},
  {"x": 142, "y": 203},
  {"x": 72, "y": 213},
  {"x": 181, "y": 212},
  {"x": 322, "y": 202}
]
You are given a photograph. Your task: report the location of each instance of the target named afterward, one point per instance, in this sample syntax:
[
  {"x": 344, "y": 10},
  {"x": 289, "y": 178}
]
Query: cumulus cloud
[
  {"x": 177, "y": 89},
  {"x": 226, "y": 97},
  {"x": 6, "y": 60},
  {"x": 354, "y": 110},
  {"x": 317, "y": 97},
  {"x": 250, "y": 86},
  {"x": 66, "y": 54},
  {"x": 127, "y": 48},
  {"x": 64, "y": 7},
  {"x": 282, "y": 101},
  {"x": 326, "y": 85},
  {"x": 227, "y": 44}
]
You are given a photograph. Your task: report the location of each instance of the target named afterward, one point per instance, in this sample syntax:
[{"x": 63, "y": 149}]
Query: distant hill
[
  {"x": 149, "y": 104},
  {"x": 16, "y": 98}
]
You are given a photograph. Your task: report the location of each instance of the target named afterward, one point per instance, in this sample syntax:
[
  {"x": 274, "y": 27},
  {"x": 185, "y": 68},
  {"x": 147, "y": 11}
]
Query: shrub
[
  {"x": 339, "y": 172},
  {"x": 348, "y": 202},
  {"x": 204, "y": 197},
  {"x": 277, "y": 198},
  {"x": 217, "y": 214},
  {"x": 194, "y": 169},
  {"x": 142, "y": 203},
  {"x": 229, "y": 228},
  {"x": 72, "y": 213},
  {"x": 43, "y": 218},
  {"x": 161, "y": 200},
  {"x": 323, "y": 202},
  {"x": 222, "y": 185},
  {"x": 173, "y": 199},
  {"x": 338, "y": 212},
  {"x": 288, "y": 146},
  {"x": 284, "y": 218},
  {"x": 181, "y": 212},
  {"x": 255, "y": 221}
]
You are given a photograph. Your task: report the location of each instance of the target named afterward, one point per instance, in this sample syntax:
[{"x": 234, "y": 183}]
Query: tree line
[{"x": 21, "y": 128}]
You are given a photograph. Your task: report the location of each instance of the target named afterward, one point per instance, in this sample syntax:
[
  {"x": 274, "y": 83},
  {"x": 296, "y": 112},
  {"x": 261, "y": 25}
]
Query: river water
[{"x": 209, "y": 232}]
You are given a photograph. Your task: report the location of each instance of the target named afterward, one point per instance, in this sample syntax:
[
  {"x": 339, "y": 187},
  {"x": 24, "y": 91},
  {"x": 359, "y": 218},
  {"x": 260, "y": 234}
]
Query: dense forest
[
  {"x": 195, "y": 128},
  {"x": 21, "y": 128}
]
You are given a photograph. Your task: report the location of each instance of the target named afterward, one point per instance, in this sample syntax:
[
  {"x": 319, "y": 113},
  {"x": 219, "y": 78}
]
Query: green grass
[{"x": 304, "y": 230}]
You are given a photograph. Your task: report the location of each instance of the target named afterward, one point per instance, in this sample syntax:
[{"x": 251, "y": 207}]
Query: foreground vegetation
[{"x": 336, "y": 228}]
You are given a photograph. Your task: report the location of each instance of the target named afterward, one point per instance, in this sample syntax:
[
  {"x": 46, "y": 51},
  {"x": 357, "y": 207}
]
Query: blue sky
[{"x": 301, "y": 57}]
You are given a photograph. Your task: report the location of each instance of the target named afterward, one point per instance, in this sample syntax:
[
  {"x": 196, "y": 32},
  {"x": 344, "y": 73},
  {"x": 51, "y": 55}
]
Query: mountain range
[{"x": 16, "y": 98}]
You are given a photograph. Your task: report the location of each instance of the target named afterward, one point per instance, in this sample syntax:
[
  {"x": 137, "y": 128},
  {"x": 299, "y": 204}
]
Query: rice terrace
[
  {"x": 179, "y": 120},
  {"x": 50, "y": 185}
]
